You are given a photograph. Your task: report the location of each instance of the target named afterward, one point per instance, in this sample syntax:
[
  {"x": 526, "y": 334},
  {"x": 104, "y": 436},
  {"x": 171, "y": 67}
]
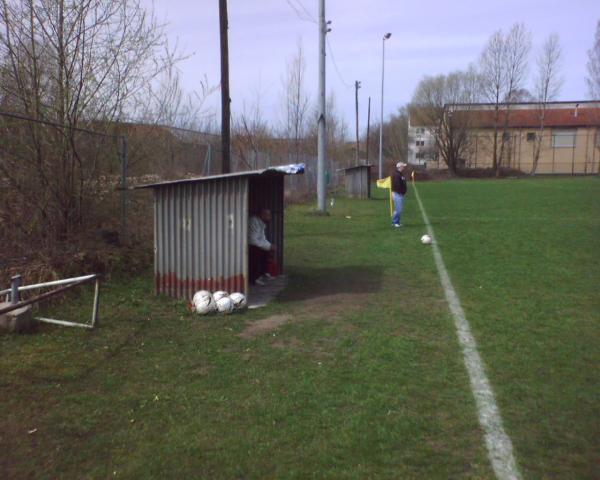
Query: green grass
[
  {"x": 366, "y": 380},
  {"x": 524, "y": 256}
]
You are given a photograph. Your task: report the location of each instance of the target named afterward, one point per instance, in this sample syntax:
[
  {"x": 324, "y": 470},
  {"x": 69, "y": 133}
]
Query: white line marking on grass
[{"x": 499, "y": 446}]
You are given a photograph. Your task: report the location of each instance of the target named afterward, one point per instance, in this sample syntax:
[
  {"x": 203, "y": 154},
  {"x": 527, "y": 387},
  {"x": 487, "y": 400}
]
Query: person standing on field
[{"x": 398, "y": 193}]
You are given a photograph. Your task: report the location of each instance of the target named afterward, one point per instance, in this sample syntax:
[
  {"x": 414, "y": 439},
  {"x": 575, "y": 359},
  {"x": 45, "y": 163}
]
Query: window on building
[
  {"x": 563, "y": 138},
  {"x": 506, "y": 136},
  {"x": 420, "y": 143},
  {"x": 530, "y": 136},
  {"x": 420, "y": 130}
]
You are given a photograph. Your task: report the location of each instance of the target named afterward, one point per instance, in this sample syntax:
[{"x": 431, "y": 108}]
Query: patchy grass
[{"x": 360, "y": 375}]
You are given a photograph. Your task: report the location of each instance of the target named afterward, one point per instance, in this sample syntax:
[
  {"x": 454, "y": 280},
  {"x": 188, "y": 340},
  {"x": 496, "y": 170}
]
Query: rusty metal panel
[{"x": 200, "y": 236}]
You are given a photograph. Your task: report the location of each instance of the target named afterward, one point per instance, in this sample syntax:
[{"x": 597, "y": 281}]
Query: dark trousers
[{"x": 258, "y": 262}]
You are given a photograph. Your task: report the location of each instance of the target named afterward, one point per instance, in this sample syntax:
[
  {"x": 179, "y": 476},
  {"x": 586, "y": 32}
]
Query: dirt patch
[
  {"x": 201, "y": 371},
  {"x": 266, "y": 325},
  {"x": 329, "y": 307},
  {"x": 293, "y": 343},
  {"x": 318, "y": 352}
]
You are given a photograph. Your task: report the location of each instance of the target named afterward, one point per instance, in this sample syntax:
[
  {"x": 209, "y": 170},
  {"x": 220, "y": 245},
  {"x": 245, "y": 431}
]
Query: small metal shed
[
  {"x": 201, "y": 229},
  {"x": 358, "y": 181}
]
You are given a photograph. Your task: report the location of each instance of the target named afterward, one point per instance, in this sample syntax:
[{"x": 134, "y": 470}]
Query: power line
[
  {"x": 337, "y": 70},
  {"x": 306, "y": 11},
  {"x": 301, "y": 12}
]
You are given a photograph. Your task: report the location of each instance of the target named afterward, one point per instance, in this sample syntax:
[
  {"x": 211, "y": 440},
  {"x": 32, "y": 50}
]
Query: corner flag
[{"x": 387, "y": 183}]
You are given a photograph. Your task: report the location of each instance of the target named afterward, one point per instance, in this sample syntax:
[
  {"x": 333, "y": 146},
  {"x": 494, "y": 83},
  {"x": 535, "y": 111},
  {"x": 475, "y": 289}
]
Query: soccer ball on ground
[
  {"x": 219, "y": 295},
  {"x": 239, "y": 300},
  {"x": 203, "y": 302},
  {"x": 426, "y": 240},
  {"x": 225, "y": 305}
]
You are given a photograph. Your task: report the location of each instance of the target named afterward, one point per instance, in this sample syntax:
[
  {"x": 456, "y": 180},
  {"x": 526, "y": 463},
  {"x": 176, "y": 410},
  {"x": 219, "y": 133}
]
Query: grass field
[{"x": 354, "y": 372}]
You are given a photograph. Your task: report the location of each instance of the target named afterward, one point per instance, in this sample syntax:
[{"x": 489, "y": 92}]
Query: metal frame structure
[
  {"x": 65, "y": 284},
  {"x": 201, "y": 229}
]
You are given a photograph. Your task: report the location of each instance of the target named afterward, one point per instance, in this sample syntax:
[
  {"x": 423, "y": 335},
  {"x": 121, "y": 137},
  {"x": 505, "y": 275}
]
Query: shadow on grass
[{"x": 307, "y": 283}]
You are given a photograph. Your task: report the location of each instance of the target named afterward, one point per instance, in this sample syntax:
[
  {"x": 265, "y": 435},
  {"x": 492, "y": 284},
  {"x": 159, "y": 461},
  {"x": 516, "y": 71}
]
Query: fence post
[
  {"x": 15, "y": 283},
  {"x": 124, "y": 165}
]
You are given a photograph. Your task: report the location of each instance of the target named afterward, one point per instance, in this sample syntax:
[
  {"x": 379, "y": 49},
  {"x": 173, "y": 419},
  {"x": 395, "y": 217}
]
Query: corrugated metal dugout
[
  {"x": 358, "y": 181},
  {"x": 201, "y": 230}
]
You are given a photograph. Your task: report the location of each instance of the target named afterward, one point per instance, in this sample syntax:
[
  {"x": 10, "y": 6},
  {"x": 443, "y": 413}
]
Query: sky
[{"x": 428, "y": 38}]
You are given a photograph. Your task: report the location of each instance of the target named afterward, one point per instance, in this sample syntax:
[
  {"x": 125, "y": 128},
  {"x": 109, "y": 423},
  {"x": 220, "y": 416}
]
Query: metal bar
[
  {"x": 43, "y": 296},
  {"x": 53, "y": 283},
  {"x": 96, "y": 303},
  {"x": 209, "y": 159},
  {"x": 587, "y": 150},
  {"x": 15, "y": 282},
  {"x": 124, "y": 167},
  {"x": 553, "y": 151},
  {"x": 573, "y": 154},
  {"x": 63, "y": 322}
]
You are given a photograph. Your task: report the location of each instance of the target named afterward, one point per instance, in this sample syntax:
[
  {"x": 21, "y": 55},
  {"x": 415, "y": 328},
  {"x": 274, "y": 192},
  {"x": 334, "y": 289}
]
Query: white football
[
  {"x": 203, "y": 302},
  {"x": 239, "y": 300},
  {"x": 219, "y": 295},
  {"x": 225, "y": 305},
  {"x": 426, "y": 240}
]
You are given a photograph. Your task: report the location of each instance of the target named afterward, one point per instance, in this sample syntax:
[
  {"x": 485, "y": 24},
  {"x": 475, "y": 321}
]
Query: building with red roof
[{"x": 567, "y": 135}]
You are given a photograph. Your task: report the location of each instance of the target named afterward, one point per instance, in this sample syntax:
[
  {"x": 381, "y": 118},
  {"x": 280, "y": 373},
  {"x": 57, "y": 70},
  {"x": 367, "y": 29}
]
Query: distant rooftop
[{"x": 582, "y": 113}]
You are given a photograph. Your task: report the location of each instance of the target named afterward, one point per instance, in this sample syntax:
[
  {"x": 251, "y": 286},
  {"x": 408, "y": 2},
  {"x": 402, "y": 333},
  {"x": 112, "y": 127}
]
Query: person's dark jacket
[{"x": 398, "y": 183}]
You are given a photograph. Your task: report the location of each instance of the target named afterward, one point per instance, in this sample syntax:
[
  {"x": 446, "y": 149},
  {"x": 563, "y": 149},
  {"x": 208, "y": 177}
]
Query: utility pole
[
  {"x": 368, "y": 129},
  {"x": 356, "y": 87},
  {"x": 225, "y": 100},
  {"x": 322, "y": 140},
  {"x": 385, "y": 37}
]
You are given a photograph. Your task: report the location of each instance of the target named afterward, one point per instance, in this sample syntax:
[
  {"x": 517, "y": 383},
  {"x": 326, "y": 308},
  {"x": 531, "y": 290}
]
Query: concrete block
[{"x": 18, "y": 321}]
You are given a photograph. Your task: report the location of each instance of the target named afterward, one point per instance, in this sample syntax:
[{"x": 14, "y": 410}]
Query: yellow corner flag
[{"x": 387, "y": 183}]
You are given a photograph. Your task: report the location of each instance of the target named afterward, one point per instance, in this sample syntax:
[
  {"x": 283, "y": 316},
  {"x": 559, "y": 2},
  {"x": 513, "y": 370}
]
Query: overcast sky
[{"x": 428, "y": 37}]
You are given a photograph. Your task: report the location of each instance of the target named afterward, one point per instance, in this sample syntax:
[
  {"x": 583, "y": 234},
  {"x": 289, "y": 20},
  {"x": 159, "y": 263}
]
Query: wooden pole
[
  {"x": 225, "y": 100},
  {"x": 368, "y": 129},
  {"x": 356, "y": 87}
]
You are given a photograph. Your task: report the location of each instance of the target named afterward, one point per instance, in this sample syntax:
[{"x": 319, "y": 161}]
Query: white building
[{"x": 421, "y": 145}]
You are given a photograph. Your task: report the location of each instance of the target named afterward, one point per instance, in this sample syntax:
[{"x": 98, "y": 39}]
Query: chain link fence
[
  {"x": 66, "y": 201},
  {"x": 561, "y": 152}
]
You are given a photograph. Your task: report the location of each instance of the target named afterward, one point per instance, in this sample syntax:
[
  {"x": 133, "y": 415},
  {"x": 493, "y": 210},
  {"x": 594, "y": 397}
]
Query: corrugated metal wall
[
  {"x": 358, "y": 182},
  {"x": 200, "y": 236},
  {"x": 266, "y": 191}
]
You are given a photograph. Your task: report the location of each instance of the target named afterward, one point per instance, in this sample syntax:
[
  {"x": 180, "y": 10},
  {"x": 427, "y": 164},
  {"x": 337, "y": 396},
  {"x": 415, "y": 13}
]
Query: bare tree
[
  {"x": 593, "y": 67},
  {"x": 517, "y": 47},
  {"x": 521, "y": 95},
  {"x": 295, "y": 100},
  {"x": 76, "y": 64},
  {"x": 435, "y": 99},
  {"x": 503, "y": 65},
  {"x": 252, "y": 135},
  {"x": 494, "y": 81},
  {"x": 547, "y": 86},
  {"x": 166, "y": 103},
  {"x": 395, "y": 130}
]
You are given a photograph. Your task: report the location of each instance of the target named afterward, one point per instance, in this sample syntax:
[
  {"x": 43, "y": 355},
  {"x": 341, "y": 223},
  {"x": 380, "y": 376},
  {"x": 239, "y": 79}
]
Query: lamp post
[{"x": 385, "y": 37}]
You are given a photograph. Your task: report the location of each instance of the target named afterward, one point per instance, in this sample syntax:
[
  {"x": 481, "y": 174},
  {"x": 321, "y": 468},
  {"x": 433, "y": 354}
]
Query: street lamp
[{"x": 385, "y": 37}]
